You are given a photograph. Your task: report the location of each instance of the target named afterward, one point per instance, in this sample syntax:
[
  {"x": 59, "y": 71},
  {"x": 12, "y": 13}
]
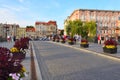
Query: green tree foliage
[
  {"x": 74, "y": 27},
  {"x": 62, "y": 32},
  {"x": 68, "y": 27},
  {"x": 81, "y": 28},
  {"x": 29, "y": 26},
  {"x": 77, "y": 26},
  {"x": 91, "y": 28},
  {"x": 84, "y": 31}
]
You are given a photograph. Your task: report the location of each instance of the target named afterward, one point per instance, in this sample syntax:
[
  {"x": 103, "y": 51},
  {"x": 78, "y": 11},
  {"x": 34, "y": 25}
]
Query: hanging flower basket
[{"x": 110, "y": 46}]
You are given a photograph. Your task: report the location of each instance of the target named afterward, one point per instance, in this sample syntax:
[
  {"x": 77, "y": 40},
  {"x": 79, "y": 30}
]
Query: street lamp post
[
  {"x": 6, "y": 30},
  {"x": 95, "y": 39}
]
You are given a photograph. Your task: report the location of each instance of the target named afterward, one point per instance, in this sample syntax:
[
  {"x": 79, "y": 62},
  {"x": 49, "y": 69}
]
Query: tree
[
  {"x": 84, "y": 31},
  {"x": 68, "y": 27},
  {"x": 91, "y": 28},
  {"x": 62, "y": 32},
  {"x": 29, "y": 26},
  {"x": 78, "y": 24},
  {"x": 81, "y": 28},
  {"x": 74, "y": 27}
]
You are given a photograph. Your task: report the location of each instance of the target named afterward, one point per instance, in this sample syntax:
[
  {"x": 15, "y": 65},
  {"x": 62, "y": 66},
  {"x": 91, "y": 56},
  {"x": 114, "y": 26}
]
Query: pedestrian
[
  {"x": 14, "y": 38},
  {"x": 99, "y": 39},
  {"x": 74, "y": 38},
  {"x": 8, "y": 38}
]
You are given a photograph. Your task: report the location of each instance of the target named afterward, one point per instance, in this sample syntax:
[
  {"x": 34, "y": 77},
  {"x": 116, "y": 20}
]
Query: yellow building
[{"x": 21, "y": 32}]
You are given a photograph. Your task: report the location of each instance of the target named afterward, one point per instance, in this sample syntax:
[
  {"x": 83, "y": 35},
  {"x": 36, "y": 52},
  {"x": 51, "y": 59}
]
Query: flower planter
[
  {"x": 110, "y": 50},
  {"x": 71, "y": 43},
  {"x": 62, "y": 41},
  {"x": 18, "y": 55},
  {"x": 53, "y": 40},
  {"x": 84, "y": 45},
  {"x": 57, "y": 40}
]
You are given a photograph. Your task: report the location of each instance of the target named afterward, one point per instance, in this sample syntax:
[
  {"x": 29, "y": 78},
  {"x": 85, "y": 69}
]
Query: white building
[{"x": 45, "y": 28}]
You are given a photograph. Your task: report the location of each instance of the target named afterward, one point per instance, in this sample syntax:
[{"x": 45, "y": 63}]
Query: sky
[{"x": 27, "y": 12}]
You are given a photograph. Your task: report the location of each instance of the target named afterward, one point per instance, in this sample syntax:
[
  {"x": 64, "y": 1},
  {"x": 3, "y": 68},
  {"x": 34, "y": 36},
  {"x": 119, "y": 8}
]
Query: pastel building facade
[
  {"x": 107, "y": 21},
  {"x": 8, "y": 30},
  {"x": 21, "y": 32},
  {"x": 45, "y": 28}
]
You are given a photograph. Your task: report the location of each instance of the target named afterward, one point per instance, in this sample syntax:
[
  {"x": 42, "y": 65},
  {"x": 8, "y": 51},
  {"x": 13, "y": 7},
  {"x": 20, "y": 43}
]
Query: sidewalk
[
  {"x": 93, "y": 48},
  {"x": 98, "y": 48}
]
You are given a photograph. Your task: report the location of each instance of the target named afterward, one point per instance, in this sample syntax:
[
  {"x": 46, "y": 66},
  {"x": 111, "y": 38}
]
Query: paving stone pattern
[{"x": 58, "y": 62}]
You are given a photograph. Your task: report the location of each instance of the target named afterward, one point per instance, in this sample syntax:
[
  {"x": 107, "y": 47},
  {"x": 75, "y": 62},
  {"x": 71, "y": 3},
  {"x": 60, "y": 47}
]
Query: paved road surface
[{"x": 62, "y": 63}]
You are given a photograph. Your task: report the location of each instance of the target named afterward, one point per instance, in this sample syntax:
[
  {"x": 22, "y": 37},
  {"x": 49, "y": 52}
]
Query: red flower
[
  {"x": 110, "y": 42},
  {"x": 84, "y": 40},
  {"x": 71, "y": 39},
  {"x": 7, "y": 64},
  {"x": 22, "y": 43}
]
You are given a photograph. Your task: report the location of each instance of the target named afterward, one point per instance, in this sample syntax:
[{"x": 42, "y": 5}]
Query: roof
[
  {"x": 46, "y": 23},
  {"x": 30, "y": 29}
]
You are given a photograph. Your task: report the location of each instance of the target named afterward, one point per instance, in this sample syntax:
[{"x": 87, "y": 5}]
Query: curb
[
  {"x": 89, "y": 51},
  {"x": 38, "y": 71}
]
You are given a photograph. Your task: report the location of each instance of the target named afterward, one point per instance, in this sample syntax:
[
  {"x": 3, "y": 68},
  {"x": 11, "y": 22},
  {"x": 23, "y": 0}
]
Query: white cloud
[
  {"x": 12, "y": 18},
  {"x": 6, "y": 15},
  {"x": 14, "y": 8}
]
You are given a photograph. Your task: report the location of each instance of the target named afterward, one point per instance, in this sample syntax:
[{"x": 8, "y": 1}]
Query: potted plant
[
  {"x": 84, "y": 43},
  {"x": 110, "y": 46},
  {"x": 71, "y": 41},
  {"x": 62, "y": 40},
  {"x": 57, "y": 39},
  {"x": 17, "y": 54},
  {"x": 10, "y": 69}
]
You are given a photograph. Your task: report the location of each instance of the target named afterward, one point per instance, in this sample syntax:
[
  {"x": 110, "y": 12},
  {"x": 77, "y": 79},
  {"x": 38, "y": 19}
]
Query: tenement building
[
  {"x": 107, "y": 21},
  {"x": 8, "y": 30},
  {"x": 45, "y": 28}
]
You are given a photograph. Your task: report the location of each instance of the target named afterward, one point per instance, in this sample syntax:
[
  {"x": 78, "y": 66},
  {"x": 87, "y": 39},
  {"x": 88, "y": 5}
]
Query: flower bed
[
  {"x": 9, "y": 66},
  {"x": 110, "y": 46},
  {"x": 10, "y": 61}
]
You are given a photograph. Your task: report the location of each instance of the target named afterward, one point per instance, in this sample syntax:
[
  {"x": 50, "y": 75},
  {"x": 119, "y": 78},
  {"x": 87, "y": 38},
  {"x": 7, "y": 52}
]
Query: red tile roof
[
  {"x": 46, "y": 23},
  {"x": 30, "y": 29}
]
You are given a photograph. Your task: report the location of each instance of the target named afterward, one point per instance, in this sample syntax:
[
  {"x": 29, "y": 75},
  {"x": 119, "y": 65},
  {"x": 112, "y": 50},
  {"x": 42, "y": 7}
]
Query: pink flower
[{"x": 15, "y": 76}]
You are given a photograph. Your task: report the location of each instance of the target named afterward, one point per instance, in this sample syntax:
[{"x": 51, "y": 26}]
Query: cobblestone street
[{"x": 58, "y": 62}]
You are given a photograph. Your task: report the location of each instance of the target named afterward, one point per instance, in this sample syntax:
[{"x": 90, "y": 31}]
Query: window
[
  {"x": 82, "y": 17},
  {"x": 118, "y": 18},
  {"x": 105, "y": 18},
  {"x": 108, "y": 18}
]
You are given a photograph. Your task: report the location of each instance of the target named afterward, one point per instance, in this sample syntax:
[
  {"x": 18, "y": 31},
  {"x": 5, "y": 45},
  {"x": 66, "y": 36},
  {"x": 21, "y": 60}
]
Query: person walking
[{"x": 99, "y": 39}]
